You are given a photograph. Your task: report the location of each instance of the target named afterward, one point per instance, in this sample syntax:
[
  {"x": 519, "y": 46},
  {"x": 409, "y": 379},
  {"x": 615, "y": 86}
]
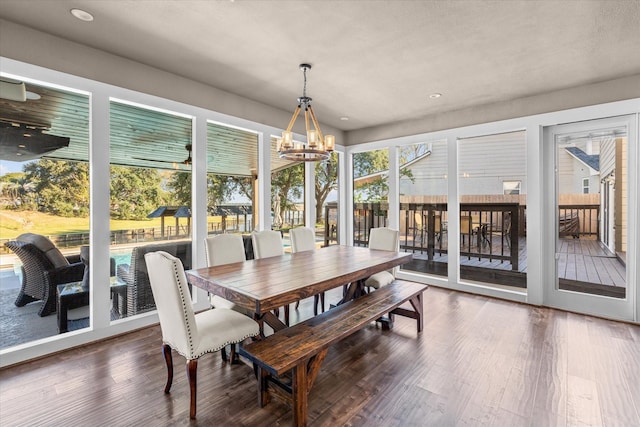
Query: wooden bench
[{"x": 301, "y": 349}]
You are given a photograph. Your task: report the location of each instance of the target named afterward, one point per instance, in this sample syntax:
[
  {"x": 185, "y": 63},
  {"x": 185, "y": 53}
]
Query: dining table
[{"x": 264, "y": 285}]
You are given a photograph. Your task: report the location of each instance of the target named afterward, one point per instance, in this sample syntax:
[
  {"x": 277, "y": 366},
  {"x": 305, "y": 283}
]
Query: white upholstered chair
[
  {"x": 225, "y": 249},
  {"x": 267, "y": 244},
  {"x": 385, "y": 239},
  {"x": 304, "y": 239},
  {"x": 191, "y": 335}
]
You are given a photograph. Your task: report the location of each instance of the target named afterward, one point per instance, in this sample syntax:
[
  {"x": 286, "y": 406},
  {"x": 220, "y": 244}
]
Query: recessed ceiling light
[
  {"x": 82, "y": 15},
  {"x": 435, "y": 95},
  {"x": 344, "y": 118}
]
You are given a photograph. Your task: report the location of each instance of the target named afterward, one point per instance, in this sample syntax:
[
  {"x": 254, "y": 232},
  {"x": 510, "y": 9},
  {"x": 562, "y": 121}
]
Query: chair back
[
  {"x": 417, "y": 218},
  {"x": 384, "y": 238},
  {"x": 267, "y": 243},
  {"x": 47, "y": 247},
  {"x": 302, "y": 239},
  {"x": 224, "y": 249},
  {"x": 465, "y": 224},
  {"x": 173, "y": 301}
]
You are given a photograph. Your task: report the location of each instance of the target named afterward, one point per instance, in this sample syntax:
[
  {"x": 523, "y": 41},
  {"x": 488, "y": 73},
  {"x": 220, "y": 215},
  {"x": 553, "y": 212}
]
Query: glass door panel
[
  {"x": 326, "y": 194},
  {"x": 150, "y": 200},
  {"x": 493, "y": 201},
  {"x": 591, "y": 182},
  {"x": 44, "y": 185},
  {"x": 423, "y": 207},
  {"x": 589, "y": 216},
  {"x": 370, "y": 193}
]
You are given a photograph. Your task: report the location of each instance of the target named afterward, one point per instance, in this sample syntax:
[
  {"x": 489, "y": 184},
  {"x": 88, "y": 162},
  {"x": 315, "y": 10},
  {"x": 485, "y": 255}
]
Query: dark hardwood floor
[{"x": 479, "y": 361}]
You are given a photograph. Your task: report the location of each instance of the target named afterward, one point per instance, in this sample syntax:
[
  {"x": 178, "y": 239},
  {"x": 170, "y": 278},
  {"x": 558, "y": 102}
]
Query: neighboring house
[
  {"x": 613, "y": 186},
  {"x": 579, "y": 168},
  {"x": 493, "y": 164}
]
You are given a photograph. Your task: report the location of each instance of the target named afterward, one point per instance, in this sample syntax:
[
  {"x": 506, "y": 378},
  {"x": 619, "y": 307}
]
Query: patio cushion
[{"x": 52, "y": 253}]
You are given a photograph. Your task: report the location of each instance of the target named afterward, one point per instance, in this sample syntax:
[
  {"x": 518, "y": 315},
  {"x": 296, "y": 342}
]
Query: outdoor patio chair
[
  {"x": 503, "y": 229},
  {"x": 191, "y": 335},
  {"x": 43, "y": 268}
]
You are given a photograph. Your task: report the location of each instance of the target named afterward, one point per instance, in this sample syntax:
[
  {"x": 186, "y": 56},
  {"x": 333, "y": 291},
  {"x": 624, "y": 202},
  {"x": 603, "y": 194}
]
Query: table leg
[
  {"x": 63, "y": 323},
  {"x": 270, "y": 319},
  {"x": 355, "y": 290}
]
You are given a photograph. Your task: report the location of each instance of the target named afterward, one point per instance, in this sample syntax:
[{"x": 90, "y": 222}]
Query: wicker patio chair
[{"x": 43, "y": 268}]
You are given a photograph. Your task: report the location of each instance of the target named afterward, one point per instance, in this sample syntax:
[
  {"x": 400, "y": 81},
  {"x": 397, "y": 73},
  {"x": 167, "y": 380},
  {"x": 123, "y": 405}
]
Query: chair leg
[
  {"x": 234, "y": 354},
  {"x": 223, "y": 353},
  {"x": 286, "y": 314},
  {"x": 297, "y": 304},
  {"x": 50, "y": 302},
  {"x": 318, "y": 299},
  {"x": 192, "y": 368},
  {"x": 24, "y": 299},
  {"x": 166, "y": 351}
]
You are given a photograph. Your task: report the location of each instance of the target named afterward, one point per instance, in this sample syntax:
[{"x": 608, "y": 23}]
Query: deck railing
[{"x": 488, "y": 230}]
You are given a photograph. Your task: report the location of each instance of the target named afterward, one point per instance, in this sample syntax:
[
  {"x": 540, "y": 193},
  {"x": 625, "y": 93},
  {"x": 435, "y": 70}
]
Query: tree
[
  {"x": 180, "y": 185},
  {"x": 376, "y": 188},
  {"x": 135, "y": 192},
  {"x": 17, "y": 191},
  {"x": 325, "y": 182},
  {"x": 287, "y": 185},
  {"x": 62, "y": 187}
]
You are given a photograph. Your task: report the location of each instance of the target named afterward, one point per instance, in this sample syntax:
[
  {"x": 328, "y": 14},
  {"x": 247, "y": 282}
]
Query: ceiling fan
[{"x": 186, "y": 162}]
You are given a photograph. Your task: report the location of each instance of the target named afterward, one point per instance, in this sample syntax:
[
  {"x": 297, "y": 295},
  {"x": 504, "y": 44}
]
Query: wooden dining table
[{"x": 266, "y": 284}]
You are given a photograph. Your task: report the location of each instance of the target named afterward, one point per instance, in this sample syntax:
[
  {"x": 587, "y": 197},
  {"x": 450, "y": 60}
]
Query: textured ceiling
[{"x": 375, "y": 62}]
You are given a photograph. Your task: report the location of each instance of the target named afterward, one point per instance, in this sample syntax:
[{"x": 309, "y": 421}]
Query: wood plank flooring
[{"x": 479, "y": 361}]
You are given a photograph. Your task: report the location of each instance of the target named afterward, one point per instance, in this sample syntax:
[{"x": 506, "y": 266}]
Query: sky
[{"x": 8, "y": 167}]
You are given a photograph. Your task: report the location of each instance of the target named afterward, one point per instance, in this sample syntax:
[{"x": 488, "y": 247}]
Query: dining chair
[
  {"x": 191, "y": 335},
  {"x": 386, "y": 239},
  {"x": 267, "y": 244},
  {"x": 304, "y": 239},
  {"x": 225, "y": 249},
  {"x": 466, "y": 229},
  {"x": 503, "y": 230}
]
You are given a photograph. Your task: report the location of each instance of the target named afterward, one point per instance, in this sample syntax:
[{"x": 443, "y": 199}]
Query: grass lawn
[{"x": 14, "y": 223}]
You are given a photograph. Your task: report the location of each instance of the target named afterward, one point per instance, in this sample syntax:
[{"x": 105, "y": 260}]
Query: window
[
  {"x": 511, "y": 187},
  {"x": 585, "y": 186}
]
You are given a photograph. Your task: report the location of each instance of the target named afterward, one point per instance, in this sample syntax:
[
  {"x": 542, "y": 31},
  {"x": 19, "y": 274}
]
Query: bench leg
[
  {"x": 299, "y": 394},
  {"x": 417, "y": 305},
  {"x": 263, "y": 393}
]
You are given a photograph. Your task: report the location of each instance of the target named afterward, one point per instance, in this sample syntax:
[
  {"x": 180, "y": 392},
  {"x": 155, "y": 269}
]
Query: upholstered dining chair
[
  {"x": 385, "y": 239},
  {"x": 225, "y": 249},
  {"x": 267, "y": 244},
  {"x": 304, "y": 239},
  {"x": 191, "y": 335}
]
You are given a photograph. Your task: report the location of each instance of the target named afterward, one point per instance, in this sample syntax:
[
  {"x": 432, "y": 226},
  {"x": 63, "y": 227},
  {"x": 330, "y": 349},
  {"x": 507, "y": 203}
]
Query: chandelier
[{"x": 318, "y": 147}]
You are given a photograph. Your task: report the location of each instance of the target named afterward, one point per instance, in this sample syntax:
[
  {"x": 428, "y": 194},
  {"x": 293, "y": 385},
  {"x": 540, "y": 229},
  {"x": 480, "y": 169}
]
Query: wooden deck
[{"x": 582, "y": 263}]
